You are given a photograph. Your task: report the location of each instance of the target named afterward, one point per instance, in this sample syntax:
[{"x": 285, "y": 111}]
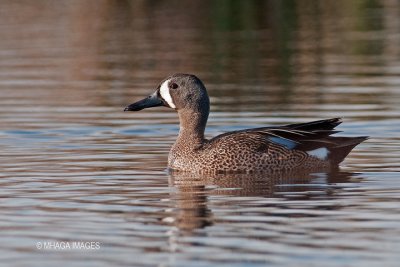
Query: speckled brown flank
[{"x": 242, "y": 152}]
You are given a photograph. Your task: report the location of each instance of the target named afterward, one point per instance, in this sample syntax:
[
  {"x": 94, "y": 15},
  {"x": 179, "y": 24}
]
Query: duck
[{"x": 308, "y": 145}]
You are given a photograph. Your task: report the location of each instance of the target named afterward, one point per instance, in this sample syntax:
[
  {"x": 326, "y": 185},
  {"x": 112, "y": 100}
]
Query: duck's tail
[
  {"x": 338, "y": 147},
  {"x": 343, "y": 147}
]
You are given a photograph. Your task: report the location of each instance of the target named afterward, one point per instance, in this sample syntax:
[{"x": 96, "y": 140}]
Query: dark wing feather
[
  {"x": 316, "y": 125},
  {"x": 318, "y": 129}
]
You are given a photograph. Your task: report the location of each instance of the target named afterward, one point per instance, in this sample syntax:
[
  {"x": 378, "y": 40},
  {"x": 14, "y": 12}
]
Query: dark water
[{"x": 75, "y": 168}]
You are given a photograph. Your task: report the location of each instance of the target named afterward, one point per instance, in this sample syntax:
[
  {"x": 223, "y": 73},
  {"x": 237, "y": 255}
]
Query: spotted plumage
[{"x": 306, "y": 145}]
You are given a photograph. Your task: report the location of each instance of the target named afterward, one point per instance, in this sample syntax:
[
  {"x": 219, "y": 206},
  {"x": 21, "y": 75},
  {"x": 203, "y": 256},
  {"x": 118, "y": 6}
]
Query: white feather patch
[
  {"x": 321, "y": 153},
  {"x": 164, "y": 92}
]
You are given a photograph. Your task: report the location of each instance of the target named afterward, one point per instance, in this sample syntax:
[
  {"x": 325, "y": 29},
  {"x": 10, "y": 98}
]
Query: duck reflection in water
[{"x": 191, "y": 191}]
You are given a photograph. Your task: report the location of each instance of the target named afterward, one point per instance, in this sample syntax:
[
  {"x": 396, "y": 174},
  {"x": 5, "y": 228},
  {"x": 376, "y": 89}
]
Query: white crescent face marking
[
  {"x": 321, "y": 153},
  {"x": 164, "y": 92}
]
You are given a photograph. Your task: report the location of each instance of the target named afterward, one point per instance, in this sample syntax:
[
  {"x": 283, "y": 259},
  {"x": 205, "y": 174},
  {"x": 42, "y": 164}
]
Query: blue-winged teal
[{"x": 307, "y": 145}]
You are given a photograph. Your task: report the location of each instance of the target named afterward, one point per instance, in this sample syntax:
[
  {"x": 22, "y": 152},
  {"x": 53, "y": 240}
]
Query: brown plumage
[{"x": 308, "y": 146}]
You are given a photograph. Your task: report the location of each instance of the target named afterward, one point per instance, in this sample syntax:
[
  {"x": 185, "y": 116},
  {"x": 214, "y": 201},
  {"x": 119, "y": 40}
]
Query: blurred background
[
  {"x": 265, "y": 54},
  {"x": 75, "y": 166}
]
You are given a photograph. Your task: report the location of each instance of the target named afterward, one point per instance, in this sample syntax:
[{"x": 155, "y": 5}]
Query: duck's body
[{"x": 306, "y": 145}]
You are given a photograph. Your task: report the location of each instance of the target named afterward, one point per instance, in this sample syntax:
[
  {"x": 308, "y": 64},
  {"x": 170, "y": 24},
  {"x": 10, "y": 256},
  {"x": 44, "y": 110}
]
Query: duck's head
[{"x": 179, "y": 92}]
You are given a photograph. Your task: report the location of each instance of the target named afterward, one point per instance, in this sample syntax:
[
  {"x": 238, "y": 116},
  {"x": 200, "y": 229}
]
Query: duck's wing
[
  {"x": 320, "y": 128},
  {"x": 328, "y": 124},
  {"x": 314, "y": 138},
  {"x": 302, "y": 136}
]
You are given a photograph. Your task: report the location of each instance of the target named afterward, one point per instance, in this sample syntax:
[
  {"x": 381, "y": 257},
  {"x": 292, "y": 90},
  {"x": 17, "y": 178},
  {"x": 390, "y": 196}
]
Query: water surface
[{"x": 75, "y": 167}]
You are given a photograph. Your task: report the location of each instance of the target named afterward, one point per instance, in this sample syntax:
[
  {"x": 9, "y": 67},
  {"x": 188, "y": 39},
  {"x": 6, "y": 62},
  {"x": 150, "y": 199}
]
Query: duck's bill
[{"x": 149, "y": 102}]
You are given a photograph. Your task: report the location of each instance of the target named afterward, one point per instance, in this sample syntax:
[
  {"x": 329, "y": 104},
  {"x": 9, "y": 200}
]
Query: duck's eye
[{"x": 173, "y": 85}]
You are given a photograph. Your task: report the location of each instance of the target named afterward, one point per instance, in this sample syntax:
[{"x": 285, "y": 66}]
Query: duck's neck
[{"x": 192, "y": 127}]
